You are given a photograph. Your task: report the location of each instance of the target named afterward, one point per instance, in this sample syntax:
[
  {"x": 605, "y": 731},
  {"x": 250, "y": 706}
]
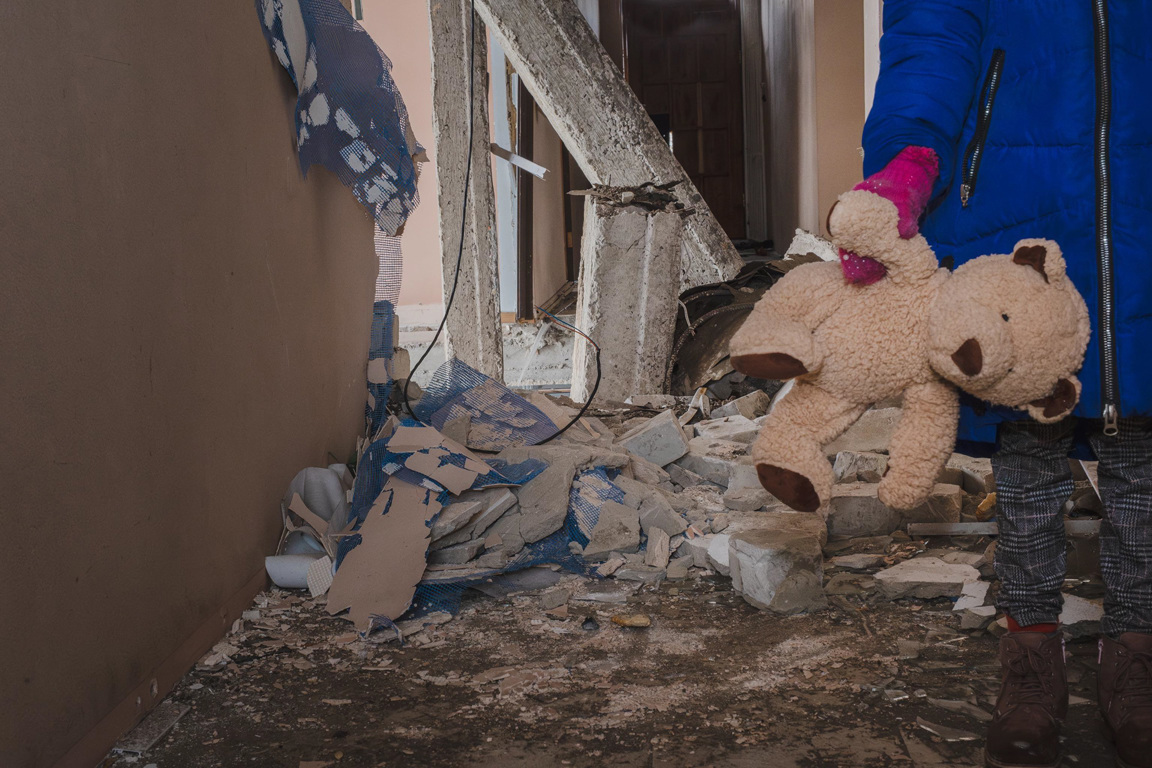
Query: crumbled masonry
[{"x": 681, "y": 558}]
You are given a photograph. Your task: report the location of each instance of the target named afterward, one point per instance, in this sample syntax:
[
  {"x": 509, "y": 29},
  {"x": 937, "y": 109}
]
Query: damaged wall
[{"x": 186, "y": 323}]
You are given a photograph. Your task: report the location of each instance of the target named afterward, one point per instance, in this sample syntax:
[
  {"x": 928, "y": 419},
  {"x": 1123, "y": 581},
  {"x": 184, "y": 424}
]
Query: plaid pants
[{"x": 1033, "y": 480}]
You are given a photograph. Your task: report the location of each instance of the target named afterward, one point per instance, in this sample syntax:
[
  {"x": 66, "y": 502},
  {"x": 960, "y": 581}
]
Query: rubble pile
[{"x": 658, "y": 488}]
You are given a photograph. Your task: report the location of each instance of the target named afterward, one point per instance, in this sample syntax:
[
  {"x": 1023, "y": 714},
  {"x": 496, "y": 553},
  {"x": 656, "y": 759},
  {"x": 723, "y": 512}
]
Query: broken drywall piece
[
  {"x": 319, "y": 576},
  {"x": 433, "y": 465},
  {"x": 379, "y": 576}
]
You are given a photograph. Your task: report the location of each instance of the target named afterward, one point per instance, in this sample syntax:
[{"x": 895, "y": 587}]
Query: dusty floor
[{"x": 712, "y": 682}]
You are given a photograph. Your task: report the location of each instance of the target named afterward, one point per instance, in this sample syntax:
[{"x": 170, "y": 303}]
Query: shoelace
[
  {"x": 1026, "y": 673},
  {"x": 1134, "y": 680}
]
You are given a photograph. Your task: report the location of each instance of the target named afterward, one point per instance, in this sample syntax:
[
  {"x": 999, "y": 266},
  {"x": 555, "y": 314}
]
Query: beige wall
[
  {"x": 815, "y": 60},
  {"x": 185, "y": 326},
  {"x": 839, "y": 99},
  {"x": 400, "y": 28}
]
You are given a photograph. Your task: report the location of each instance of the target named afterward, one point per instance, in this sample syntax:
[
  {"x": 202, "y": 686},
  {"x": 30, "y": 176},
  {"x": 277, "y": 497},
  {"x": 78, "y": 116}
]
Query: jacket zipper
[
  {"x": 1104, "y": 222},
  {"x": 975, "y": 149}
]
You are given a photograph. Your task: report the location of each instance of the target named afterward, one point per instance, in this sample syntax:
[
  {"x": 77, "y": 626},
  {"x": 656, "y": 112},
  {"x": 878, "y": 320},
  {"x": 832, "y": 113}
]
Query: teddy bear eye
[{"x": 1005, "y": 317}]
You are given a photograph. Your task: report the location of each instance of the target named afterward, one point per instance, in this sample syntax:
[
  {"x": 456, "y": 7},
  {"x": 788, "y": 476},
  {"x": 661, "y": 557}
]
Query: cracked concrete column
[
  {"x": 629, "y": 287},
  {"x": 601, "y": 122},
  {"x": 473, "y": 332}
]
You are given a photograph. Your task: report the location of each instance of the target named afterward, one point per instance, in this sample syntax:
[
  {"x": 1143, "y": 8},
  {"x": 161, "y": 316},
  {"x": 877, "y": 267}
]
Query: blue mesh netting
[
  {"x": 350, "y": 117},
  {"x": 499, "y": 417},
  {"x": 381, "y": 347}
]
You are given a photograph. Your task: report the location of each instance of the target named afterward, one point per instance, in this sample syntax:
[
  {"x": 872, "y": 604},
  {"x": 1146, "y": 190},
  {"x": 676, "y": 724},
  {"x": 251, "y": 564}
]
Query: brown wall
[{"x": 185, "y": 322}]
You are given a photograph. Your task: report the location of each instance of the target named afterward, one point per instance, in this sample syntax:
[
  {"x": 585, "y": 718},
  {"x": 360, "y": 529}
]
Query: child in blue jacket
[{"x": 1037, "y": 111}]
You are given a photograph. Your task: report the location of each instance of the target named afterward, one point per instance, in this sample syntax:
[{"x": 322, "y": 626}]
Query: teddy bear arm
[
  {"x": 776, "y": 341},
  {"x": 921, "y": 444}
]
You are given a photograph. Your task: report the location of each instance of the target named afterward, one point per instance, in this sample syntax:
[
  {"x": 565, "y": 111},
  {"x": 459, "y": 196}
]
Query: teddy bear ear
[
  {"x": 1058, "y": 404},
  {"x": 1044, "y": 256}
]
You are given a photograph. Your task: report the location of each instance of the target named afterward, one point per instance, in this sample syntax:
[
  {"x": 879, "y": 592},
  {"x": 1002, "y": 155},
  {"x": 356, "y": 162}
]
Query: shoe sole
[{"x": 992, "y": 762}]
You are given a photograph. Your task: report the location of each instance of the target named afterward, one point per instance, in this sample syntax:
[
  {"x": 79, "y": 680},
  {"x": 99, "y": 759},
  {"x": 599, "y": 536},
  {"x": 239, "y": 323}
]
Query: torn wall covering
[{"x": 350, "y": 117}]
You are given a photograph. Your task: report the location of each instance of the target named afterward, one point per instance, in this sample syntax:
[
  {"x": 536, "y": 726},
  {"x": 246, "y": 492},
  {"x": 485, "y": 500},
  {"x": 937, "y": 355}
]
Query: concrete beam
[
  {"x": 629, "y": 280},
  {"x": 472, "y": 333},
  {"x": 598, "y": 117}
]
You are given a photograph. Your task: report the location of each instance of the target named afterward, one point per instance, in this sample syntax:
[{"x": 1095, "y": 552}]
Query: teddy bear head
[{"x": 1012, "y": 329}]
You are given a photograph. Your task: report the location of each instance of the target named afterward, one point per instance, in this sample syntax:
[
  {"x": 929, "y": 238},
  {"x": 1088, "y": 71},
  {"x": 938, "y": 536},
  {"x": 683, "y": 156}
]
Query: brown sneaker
[
  {"x": 1025, "y": 729},
  {"x": 1125, "y": 696}
]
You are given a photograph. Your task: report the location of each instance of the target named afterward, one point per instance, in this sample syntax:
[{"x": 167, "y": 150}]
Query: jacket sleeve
[{"x": 930, "y": 56}]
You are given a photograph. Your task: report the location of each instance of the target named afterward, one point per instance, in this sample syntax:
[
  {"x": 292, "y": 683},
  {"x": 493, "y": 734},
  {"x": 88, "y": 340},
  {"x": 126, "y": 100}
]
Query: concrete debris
[
  {"x": 652, "y": 401},
  {"x": 685, "y": 478},
  {"x": 777, "y": 570},
  {"x": 459, "y": 554},
  {"x": 660, "y": 441},
  {"x": 610, "y": 566},
  {"x": 718, "y": 554},
  {"x": 977, "y": 618},
  {"x": 1080, "y": 617},
  {"x": 871, "y": 434},
  {"x": 943, "y": 506},
  {"x": 972, "y": 474},
  {"x": 657, "y": 512},
  {"x": 925, "y": 577},
  {"x": 857, "y": 562},
  {"x": 656, "y": 553},
  {"x": 974, "y": 559},
  {"x": 750, "y": 406},
  {"x": 678, "y": 568},
  {"x": 617, "y": 530},
  {"x": 852, "y": 467},
  {"x": 646, "y": 574},
  {"x": 555, "y": 598},
  {"x": 973, "y": 595},
  {"x": 714, "y": 460},
  {"x": 544, "y": 500},
  {"x": 737, "y": 429},
  {"x": 719, "y": 523},
  {"x": 747, "y": 499},
  {"x": 698, "y": 550},
  {"x": 648, "y": 473},
  {"x": 855, "y": 510}
]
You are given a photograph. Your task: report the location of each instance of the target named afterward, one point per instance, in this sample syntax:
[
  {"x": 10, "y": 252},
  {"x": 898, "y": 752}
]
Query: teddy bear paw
[
  {"x": 792, "y": 488},
  {"x": 900, "y": 495},
  {"x": 778, "y": 366}
]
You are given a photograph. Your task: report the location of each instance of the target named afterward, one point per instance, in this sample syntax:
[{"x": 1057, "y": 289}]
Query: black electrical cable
[{"x": 460, "y": 251}]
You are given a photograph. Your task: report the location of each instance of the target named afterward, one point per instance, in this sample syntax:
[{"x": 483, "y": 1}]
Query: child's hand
[{"x": 907, "y": 181}]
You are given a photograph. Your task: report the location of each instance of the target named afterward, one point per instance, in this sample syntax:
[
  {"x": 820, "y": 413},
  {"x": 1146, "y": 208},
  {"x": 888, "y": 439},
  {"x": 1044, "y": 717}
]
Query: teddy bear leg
[
  {"x": 789, "y": 453},
  {"x": 921, "y": 444}
]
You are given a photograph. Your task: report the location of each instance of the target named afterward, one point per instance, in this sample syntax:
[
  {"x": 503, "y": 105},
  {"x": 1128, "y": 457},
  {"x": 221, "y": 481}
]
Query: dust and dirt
[{"x": 712, "y": 682}]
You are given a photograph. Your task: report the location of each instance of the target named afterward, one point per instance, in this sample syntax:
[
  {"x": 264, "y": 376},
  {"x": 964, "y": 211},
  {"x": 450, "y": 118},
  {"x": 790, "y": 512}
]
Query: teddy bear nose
[{"x": 969, "y": 358}]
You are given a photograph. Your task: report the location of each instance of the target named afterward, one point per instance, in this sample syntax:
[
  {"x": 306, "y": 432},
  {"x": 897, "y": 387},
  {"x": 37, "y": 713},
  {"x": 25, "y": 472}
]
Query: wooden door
[{"x": 683, "y": 62}]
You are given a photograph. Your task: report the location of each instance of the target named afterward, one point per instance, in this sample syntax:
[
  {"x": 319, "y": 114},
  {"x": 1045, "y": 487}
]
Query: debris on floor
[{"x": 629, "y": 577}]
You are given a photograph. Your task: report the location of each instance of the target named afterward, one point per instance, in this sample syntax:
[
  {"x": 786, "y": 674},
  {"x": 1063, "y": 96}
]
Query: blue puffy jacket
[{"x": 1040, "y": 113}]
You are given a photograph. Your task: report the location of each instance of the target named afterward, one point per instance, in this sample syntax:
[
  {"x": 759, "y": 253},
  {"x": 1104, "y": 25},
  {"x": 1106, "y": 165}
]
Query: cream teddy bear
[{"x": 1010, "y": 329}]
